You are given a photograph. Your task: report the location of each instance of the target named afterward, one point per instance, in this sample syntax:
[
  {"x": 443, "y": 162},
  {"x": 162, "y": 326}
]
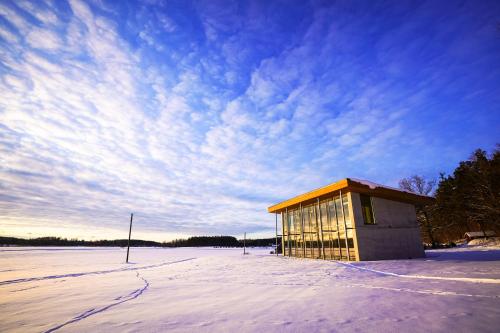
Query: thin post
[
  {"x": 302, "y": 230},
  {"x": 310, "y": 232},
  {"x": 345, "y": 227},
  {"x": 283, "y": 235},
  {"x": 295, "y": 216},
  {"x": 129, "y": 233},
  {"x": 338, "y": 227},
  {"x": 330, "y": 232},
  {"x": 288, "y": 246},
  {"x": 320, "y": 230},
  {"x": 288, "y": 231},
  {"x": 244, "y": 243},
  {"x": 276, "y": 249}
]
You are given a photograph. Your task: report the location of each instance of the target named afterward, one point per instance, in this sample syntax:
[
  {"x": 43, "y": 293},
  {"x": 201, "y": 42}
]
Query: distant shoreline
[{"x": 195, "y": 241}]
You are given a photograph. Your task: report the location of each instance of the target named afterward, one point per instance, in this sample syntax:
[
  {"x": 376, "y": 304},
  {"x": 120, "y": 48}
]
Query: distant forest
[
  {"x": 197, "y": 241},
  {"x": 467, "y": 200}
]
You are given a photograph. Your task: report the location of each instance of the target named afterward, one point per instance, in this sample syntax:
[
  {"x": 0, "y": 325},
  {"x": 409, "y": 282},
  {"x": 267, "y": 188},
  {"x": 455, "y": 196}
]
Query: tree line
[
  {"x": 57, "y": 241},
  {"x": 196, "y": 241},
  {"x": 466, "y": 200},
  {"x": 219, "y": 241}
]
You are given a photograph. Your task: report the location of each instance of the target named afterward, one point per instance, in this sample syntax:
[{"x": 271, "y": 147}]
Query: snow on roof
[
  {"x": 479, "y": 233},
  {"x": 373, "y": 186}
]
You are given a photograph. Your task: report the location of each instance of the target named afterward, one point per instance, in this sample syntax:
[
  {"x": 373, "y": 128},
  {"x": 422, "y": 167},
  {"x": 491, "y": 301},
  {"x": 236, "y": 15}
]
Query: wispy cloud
[{"x": 198, "y": 116}]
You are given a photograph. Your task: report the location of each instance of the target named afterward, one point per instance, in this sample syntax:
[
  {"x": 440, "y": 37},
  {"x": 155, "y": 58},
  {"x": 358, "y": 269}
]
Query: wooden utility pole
[{"x": 129, "y": 233}]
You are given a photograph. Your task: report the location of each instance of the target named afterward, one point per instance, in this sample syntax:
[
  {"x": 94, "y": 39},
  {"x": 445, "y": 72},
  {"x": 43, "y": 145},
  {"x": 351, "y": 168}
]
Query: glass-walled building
[
  {"x": 319, "y": 230},
  {"x": 351, "y": 220}
]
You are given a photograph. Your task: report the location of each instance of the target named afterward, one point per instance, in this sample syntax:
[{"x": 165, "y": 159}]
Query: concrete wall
[{"x": 395, "y": 234}]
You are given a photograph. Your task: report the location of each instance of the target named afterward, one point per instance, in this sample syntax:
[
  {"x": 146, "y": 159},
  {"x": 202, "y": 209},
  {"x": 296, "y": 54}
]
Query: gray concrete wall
[{"x": 395, "y": 234}]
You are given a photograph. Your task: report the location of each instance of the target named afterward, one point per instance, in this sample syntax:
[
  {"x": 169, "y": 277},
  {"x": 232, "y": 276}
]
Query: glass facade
[{"x": 322, "y": 230}]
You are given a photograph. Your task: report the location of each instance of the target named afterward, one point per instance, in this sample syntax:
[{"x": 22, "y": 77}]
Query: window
[
  {"x": 345, "y": 202},
  {"x": 366, "y": 207},
  {"x": 340, "y": 216},
  {"x": 297, "y": 222},
  {"x": 332, "y": 215}
]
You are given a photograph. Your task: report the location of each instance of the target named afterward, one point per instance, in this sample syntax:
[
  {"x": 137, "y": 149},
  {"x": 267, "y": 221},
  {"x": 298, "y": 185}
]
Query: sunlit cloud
[{"x": 196, "y": 117}]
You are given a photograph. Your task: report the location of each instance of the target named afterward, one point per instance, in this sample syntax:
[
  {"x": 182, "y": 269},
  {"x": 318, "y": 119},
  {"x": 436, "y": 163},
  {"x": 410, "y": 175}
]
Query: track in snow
[
  {"x": 51, "y": 277},
  {"x": 121, "y": 299},
  {"x": 425, "y": 277}
]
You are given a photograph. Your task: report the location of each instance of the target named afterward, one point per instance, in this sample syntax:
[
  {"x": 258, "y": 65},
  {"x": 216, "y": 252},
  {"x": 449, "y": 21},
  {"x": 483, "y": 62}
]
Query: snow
[
  {"x": 373, "y": 186},
  {"x": 479, "y": 234},
  {"x": 220, "y": 290},
  {"x": 490, "y": 242}
]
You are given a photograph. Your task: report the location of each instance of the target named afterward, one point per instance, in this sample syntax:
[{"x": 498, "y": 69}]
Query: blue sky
[{"x": 197, "y": 116}]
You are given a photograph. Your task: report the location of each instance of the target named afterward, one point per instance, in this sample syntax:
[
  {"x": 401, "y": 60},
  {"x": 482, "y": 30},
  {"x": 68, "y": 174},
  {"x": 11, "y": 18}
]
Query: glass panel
[
  {"x": 305, "y": 218},
  {"x": 337, "y": 251},
  {"x": 296, "y": 221},
  {"x": 324, "y": 216},
  {"x": 285, "y": 225},
  {"x": 305, "y": 221},
  {"x": 310, "y": 231},
  {"x": 313, "y": 238},
  {"x": 349, "y": 233},
  {"x": 315, "y": 231},
  {"x": 338, "y": 208},
  {"x": 324, "y": 243},
  {"x": 310, "y": 218},
  {"x": 298, "y": 224},
  {"x": 345, "y": 202},
  {"x": 332, "y": 215}
]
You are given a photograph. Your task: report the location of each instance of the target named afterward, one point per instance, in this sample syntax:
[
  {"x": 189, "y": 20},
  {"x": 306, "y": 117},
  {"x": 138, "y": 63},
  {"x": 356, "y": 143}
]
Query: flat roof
[{"x": 352, "y": 185}]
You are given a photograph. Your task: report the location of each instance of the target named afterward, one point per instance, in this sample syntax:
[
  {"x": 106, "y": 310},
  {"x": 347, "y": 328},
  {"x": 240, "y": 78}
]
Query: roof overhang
[{"x": 351, "y": 185}]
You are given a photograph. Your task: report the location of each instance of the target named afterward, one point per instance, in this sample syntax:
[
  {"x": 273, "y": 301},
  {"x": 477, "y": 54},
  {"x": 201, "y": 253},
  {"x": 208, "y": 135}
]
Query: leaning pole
[{"x": 129, "y": 233}]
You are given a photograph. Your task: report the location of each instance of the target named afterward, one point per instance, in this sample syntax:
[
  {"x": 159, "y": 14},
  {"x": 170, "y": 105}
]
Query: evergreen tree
[
  {"x": 470, "y": 198},
  {"x": 467, "y": 200}
]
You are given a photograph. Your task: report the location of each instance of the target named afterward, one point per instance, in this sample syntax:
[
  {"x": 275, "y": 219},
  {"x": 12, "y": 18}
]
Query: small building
[
  {"x": 351, "y": 220},
  {"x": 470, "y": 235}
]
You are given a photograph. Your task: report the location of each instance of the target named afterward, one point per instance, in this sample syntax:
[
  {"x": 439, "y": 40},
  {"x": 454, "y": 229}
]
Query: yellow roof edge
[
  {"x": 353, "y": 185},
  {"x": 310, "y": 195}
]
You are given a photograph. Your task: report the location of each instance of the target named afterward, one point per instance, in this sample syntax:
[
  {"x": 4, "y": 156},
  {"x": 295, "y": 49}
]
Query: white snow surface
[
  {"x": 490, "y": 242},
  {"x": 221, "y": 290}
]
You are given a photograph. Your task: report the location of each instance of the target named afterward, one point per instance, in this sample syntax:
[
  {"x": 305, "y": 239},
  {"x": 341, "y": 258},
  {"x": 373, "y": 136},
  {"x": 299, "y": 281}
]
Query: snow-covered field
[{"x": 220, "y": 290}]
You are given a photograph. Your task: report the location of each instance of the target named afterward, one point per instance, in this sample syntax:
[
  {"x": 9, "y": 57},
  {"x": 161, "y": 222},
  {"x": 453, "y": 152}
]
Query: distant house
[
  {"x": 478, "y": 234},
  {"x": 351, "y": 220}
]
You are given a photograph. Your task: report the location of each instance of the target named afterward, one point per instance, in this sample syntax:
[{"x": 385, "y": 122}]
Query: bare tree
[{"x": 420, "y": 185}]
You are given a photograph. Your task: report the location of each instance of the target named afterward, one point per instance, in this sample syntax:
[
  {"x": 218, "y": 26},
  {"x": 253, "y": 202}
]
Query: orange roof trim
[{"x": 352, "y": 185}]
